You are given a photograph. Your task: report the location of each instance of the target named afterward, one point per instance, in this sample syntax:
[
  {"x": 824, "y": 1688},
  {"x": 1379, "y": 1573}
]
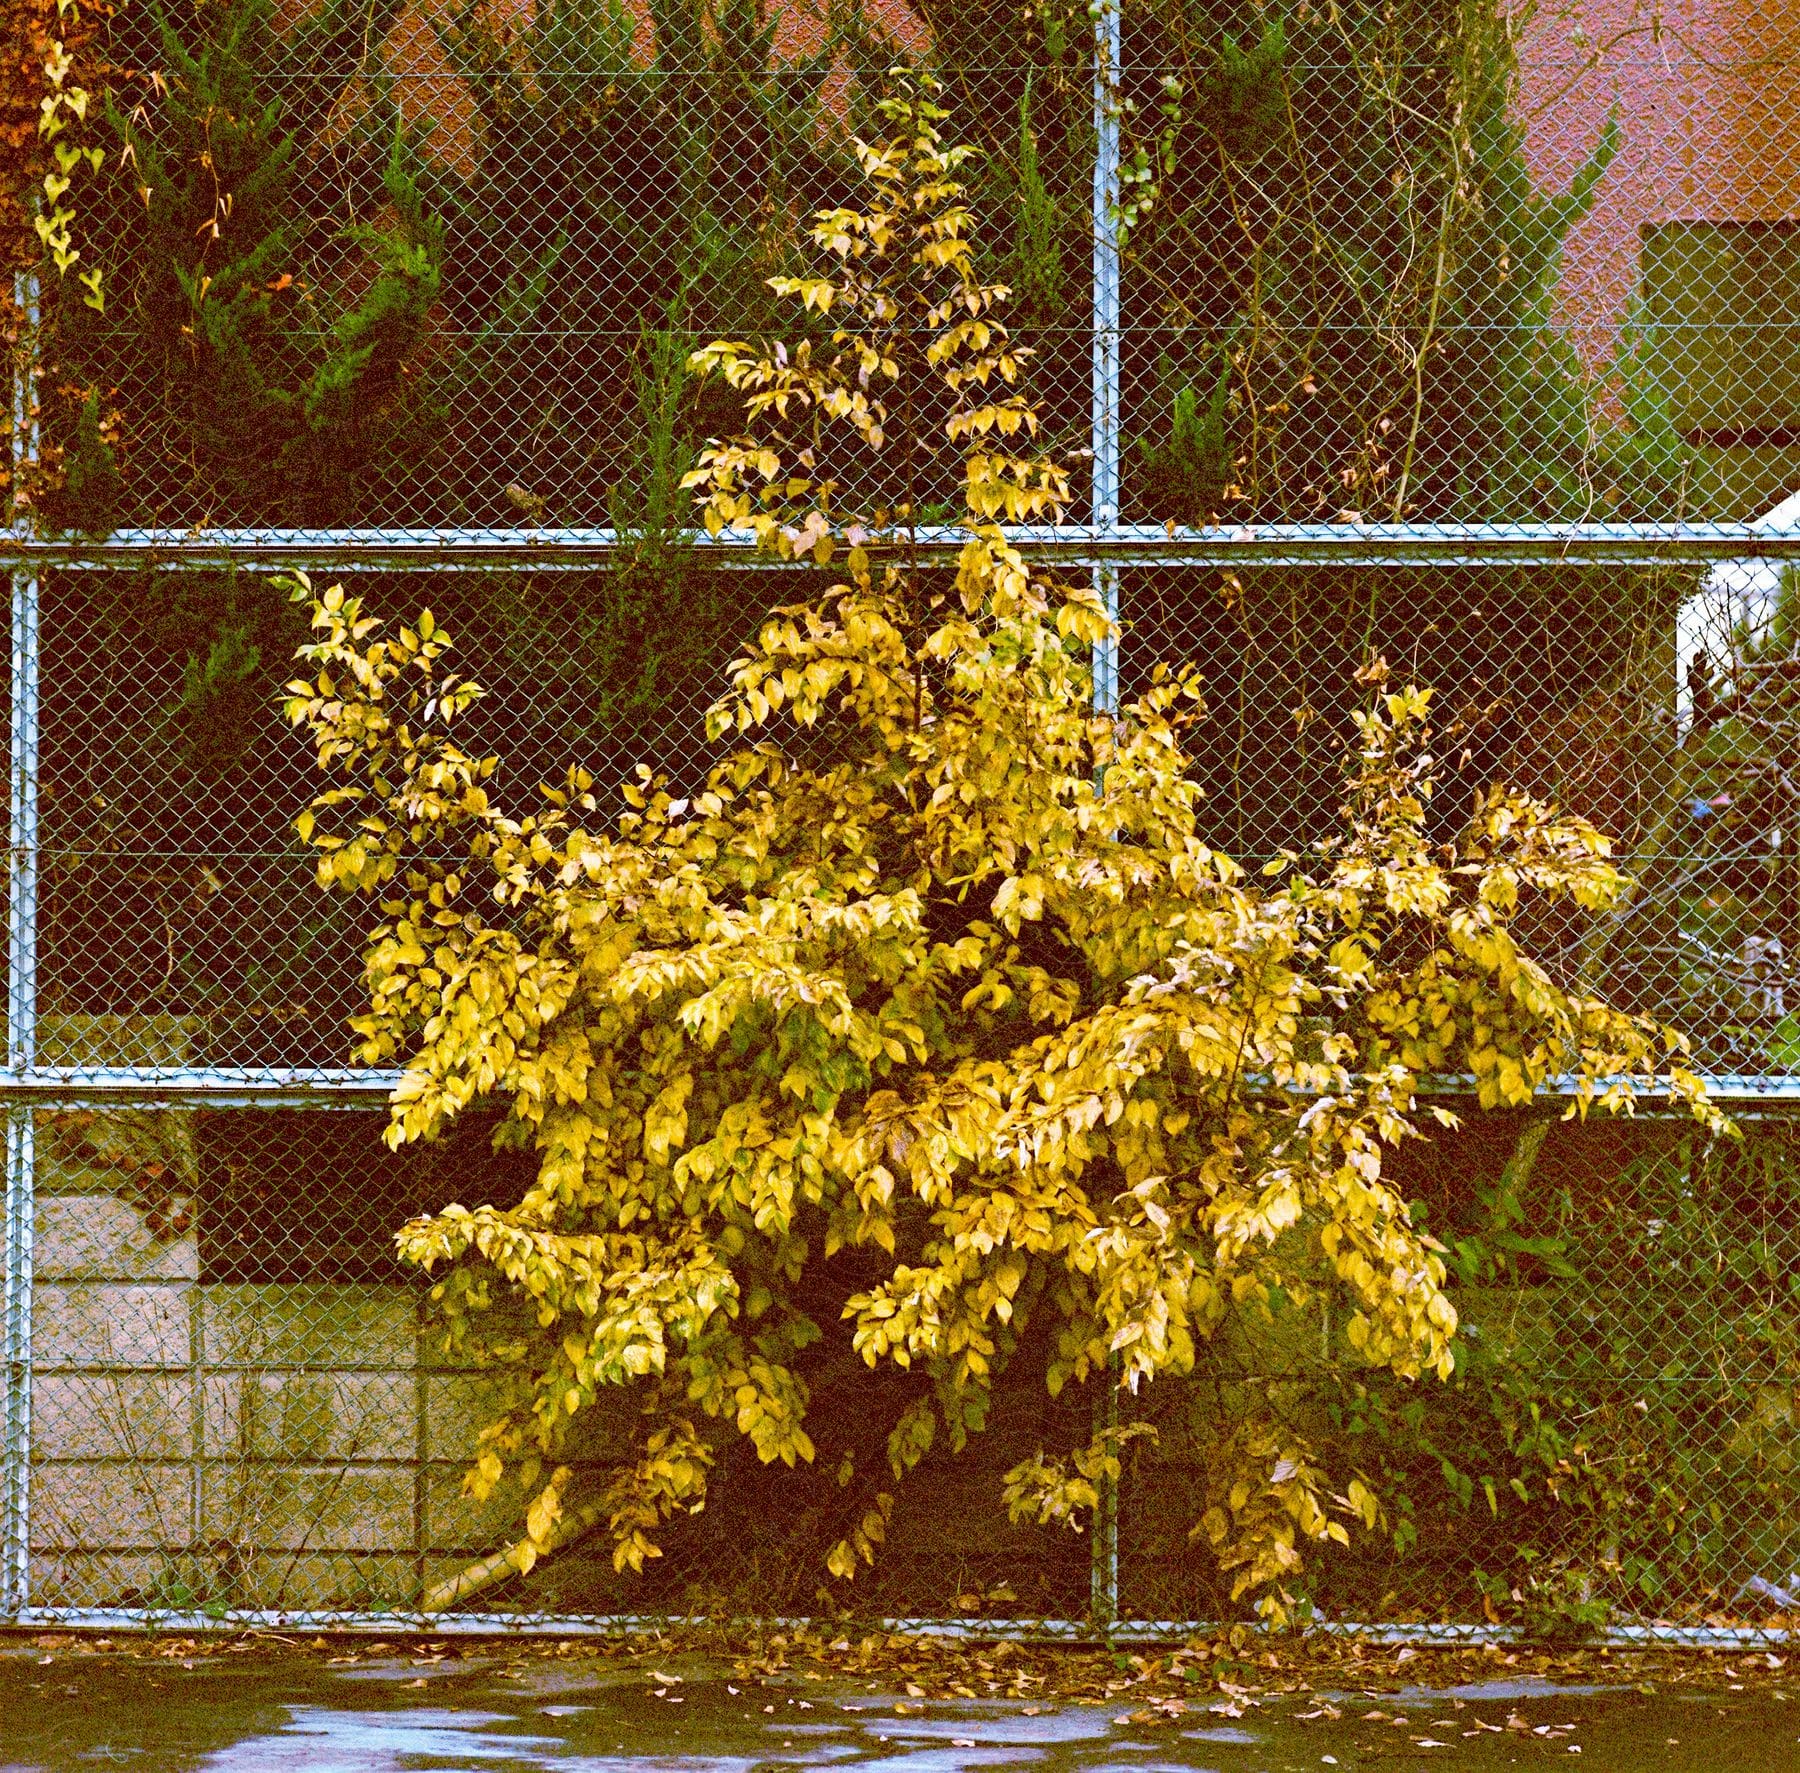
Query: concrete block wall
[
  {"x": 299, "y": 1444},
  {"x": 194, "y": 1443}
]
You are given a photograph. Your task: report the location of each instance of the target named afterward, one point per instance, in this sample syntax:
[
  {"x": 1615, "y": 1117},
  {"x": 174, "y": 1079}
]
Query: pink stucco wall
[{"x": 1708, "y": 99}]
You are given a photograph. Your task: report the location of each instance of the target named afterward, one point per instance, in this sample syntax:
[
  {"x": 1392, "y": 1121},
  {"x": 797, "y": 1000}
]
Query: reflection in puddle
[{"x": 490, "y": 1715}]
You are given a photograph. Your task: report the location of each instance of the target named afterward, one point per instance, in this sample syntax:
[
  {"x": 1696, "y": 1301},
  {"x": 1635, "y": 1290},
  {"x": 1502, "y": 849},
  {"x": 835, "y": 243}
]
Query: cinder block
[
  {"x": 129, "y": 1415},
  {"x": 457, "y": 1408},
  {"x": 456, "y": 1523},
  {"x": 101, "y": 1237},
  {"x": 110, "y": 1579},
  {"x": 299, "y": 1326},
  {"x": 312, "y": 1417},
  {"x": 262, "y": 1506},
  {"x": 292, "y": 1581},
  {"x": 131, "y": 1506},
  {"x": 101, "y": 1323},
  {"x": 302, "y": 1581},
  {"x": 158, "y": 1042}
]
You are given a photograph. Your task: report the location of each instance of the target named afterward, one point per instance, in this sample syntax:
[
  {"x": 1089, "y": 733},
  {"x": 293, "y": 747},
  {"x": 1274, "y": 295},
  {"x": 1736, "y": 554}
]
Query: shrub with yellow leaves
[{"x": 931, "y": 1031}]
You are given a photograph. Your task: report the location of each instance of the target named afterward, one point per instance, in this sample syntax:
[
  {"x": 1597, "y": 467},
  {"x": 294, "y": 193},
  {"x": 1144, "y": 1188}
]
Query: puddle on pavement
[{"x": 244, "y": 1714}]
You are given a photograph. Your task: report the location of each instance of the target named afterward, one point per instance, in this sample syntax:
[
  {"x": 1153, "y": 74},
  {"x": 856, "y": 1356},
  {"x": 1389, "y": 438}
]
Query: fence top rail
[
  {"x": 357, "y": 1086},
  {"x": 1246, "y": 545}
]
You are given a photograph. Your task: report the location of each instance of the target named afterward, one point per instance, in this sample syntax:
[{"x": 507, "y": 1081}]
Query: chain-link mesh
[
  {"x": 240, "y": 1404},
  {"x": 1559, "y": 680},
  {"x": 1421, "y": 294},
  {"x": 454, "y": 264},
  {"x": 180, "y": 926},
  {"x": 1617, "y": 1446},
  {"x": 1423, "y": 262}
]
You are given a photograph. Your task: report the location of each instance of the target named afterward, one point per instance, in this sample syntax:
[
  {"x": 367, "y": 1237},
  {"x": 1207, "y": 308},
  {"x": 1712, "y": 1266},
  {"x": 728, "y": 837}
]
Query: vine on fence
[{"x": 63, "y": 111}]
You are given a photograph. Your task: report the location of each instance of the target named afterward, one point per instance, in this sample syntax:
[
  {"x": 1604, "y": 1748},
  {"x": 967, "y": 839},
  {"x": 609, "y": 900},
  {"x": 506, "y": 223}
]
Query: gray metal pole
[
  {"x": 15, "y": 1379},
  {"x": 21, "y": 1004},
  {"x": 1104, "y": 440},
  {"x": 22, "y": 879},
  {"x": 1104, "y": 517},
  {"x": 1103, "y": 1574},
  {"x": 1454, "y": 547}
]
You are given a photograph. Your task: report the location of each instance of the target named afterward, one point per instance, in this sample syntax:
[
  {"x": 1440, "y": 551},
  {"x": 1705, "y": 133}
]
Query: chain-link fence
[{"x": 1431, "y": 330}]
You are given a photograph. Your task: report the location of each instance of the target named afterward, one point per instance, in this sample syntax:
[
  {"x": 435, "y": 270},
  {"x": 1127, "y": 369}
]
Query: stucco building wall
[{"x": 1709, "y": 113}]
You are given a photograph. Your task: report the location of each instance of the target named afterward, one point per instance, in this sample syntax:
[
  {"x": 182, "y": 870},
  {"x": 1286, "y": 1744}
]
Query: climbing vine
[{"x": 63, "y": 113}]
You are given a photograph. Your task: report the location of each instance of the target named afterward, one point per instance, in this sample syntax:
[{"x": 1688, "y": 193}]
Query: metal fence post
[
  {"x": 22, "y": 879},
  {"x": 1103, "y": 1596},
  {"x": 15, "y": 1330},
  {"x": 1103, "y": 1575},
  {"x": 21, "y": 1002},
  {"x": 1103, "y": 515}
]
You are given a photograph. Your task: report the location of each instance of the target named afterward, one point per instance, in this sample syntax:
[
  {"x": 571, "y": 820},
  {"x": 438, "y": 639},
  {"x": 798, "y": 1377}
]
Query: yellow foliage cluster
[
  {"x": 54, "y": 221},
  {"x": 955, "y": 994}
]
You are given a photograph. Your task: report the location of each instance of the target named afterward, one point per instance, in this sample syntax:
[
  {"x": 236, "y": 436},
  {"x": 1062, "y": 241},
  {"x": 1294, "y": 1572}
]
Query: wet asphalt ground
[{"x": 497, "y": 1713}]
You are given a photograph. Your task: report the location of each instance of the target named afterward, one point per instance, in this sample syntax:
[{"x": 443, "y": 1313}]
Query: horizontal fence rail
[{"x": 1674, "y": 544}]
